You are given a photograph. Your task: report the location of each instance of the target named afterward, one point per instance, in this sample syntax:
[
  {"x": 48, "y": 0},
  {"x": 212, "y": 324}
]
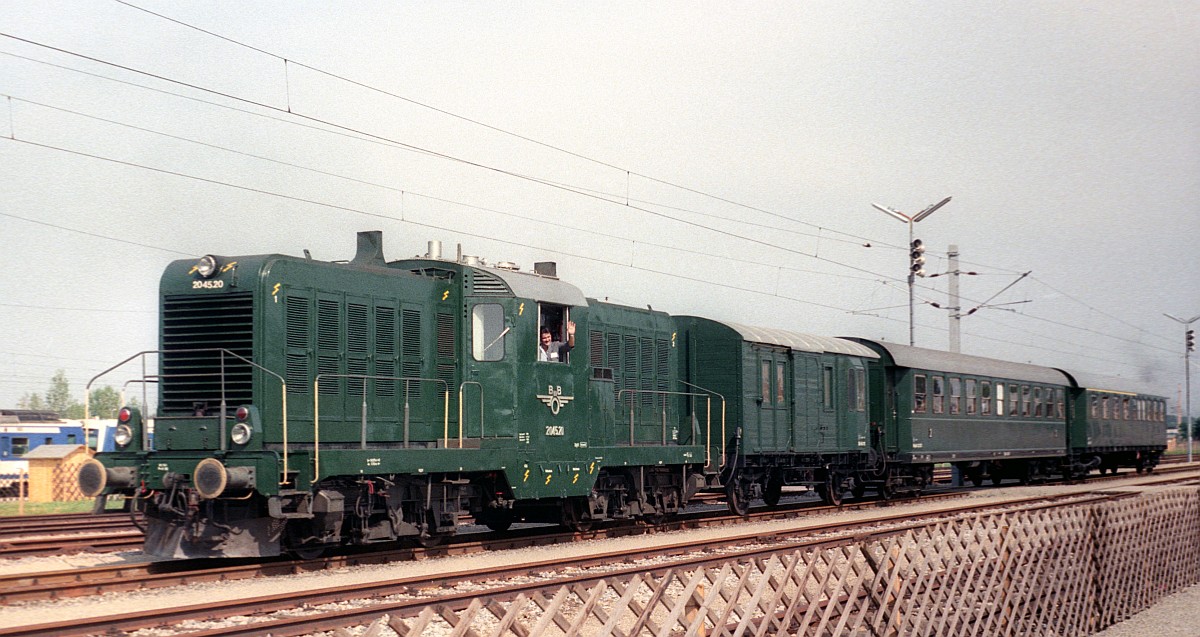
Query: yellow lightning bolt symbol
[
  {"x": 591, "y": 467},
  {"x": 275, "y": 290},
  {"x": 526, "y": 476},
  {"x": 445, "y": 295},
  {"x": 548, "y": 476},
  {"x": 673, "y": 334},
  {"x": 575, "y": 479},
  {"x": 229, "y": 266},
  {"x": 521, "y": 310},
  {"x": 193, "y": 270}
]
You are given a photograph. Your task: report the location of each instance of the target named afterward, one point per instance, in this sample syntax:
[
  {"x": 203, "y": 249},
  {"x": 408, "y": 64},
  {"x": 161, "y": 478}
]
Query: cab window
[
  {"x": 553, "y": 318},
  {"x": 488, "y": 332}
]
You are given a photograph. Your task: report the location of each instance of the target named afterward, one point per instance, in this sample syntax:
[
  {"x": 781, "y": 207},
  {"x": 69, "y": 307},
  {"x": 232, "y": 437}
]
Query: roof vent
[
  {"x": 546, "y": 268},
  {"x": 435, "y": 250},
  {"x": 508, "y": 265}
]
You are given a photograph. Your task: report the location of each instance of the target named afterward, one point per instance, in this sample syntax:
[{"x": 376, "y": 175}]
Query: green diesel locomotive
[{"x": 307, "y": 404}]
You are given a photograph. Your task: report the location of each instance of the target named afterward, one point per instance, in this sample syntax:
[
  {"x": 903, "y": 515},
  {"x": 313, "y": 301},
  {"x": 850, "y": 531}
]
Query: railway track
[
  {"x": 65, "y": 534},
  {"x": 126, "y": 577},
  {"x": 403, "y": 596}
]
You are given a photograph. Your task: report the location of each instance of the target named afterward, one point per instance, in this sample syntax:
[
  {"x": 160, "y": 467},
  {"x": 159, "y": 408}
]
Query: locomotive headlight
[
  {"x": 207, "y": 266},
  {"x": 240, "y": 433},
  {"x": 123, "y": 435}
]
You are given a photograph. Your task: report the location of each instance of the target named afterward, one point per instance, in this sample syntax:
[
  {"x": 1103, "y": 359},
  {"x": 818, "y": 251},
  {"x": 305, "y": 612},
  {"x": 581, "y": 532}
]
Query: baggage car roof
[{"x": 799, "y": 341}]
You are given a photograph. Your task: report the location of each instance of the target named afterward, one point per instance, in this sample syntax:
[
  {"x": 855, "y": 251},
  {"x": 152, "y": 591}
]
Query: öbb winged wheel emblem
[{"x": 554, "y": 399}]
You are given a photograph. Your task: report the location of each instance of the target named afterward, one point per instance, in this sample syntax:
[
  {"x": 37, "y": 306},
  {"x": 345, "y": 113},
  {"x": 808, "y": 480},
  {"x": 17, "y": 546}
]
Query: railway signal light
[
  {"x": 1190, "y": 340},
  {"x": 917, "y": 257}
]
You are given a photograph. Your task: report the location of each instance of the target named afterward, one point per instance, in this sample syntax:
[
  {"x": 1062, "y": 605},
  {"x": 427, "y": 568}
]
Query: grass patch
[{"x": 11, "y": 508}]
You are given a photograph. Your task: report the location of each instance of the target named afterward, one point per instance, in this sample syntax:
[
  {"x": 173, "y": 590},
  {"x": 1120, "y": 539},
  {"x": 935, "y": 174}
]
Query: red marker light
[
  {"x": 124, "y": 415},
  {"x": 242, "y": 414}
]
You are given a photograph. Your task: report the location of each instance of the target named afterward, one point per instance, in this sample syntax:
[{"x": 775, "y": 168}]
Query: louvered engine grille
[
  {"x": 212, "y": 322},
  {"x": 485, "y": 284}
]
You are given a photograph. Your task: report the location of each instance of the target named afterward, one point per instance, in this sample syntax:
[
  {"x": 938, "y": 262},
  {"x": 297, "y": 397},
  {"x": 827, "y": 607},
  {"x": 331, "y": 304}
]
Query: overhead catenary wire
[
  {"x": 535, "y": 179},
  {"x": 363, "y": 135}
]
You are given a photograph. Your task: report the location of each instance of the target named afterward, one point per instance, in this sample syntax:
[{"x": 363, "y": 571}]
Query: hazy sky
[{"x": 714, "y": 158}]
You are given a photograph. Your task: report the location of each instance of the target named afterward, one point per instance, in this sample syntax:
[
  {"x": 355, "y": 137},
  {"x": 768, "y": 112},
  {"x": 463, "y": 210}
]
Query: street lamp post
[
  {"x": 1189, "y": 345},
  {"x": 916, "y": 252}
]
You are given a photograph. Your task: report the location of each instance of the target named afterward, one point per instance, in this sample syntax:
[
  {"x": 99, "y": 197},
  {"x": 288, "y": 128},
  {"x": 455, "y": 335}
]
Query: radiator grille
[{"x": 211, "y": 322}]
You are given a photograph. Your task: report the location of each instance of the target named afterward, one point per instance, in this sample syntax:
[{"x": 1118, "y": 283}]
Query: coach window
[
  {"x": 1060, "y": 406},
  {"x": 970, "y": 387},
  {"x": 955, "y": 395},
  {"x": 939, "y": 394},
  {"x": 1104, "y": 407},
  {"x": 827, "y": 386},
  {"x": 20, "y": 446},
  {"x": 779, "y": 377},
  {"x": 1094, "y": 407},
  {"x": 766, "y": 382},
  {"x": 1025, "y": 401},
  {"x": 1125, "y": 409},
  {"x": 1037, "y": 402},
  {"x": 1014, "y": 401},
  {"x": 488, "y": 332},
  {"x": 985, "y": 398},
  {"x": 860, "y": 375},
  {"x": 1000, "y": 399},
  {"x": 919, "y": 393}
]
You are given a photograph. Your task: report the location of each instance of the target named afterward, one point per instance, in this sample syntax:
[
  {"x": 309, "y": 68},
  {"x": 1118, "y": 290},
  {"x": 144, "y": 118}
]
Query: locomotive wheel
[
  {"x": 575, "y": 515},
  {"x": 773, "y": 489},
  {"x": 858, "y": 490},
  {"x": 307, "y": 553},
  {"x": 886, "y": 492},
  {"x": 430, "y": 541},
  {"x": 498, "y": 521},
  {"x": 736, "y": 496}
]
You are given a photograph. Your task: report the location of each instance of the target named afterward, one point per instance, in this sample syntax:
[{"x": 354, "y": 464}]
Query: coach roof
[{"x": 939, "y": 361}]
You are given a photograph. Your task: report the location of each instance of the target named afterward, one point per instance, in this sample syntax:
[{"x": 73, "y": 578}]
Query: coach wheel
[
  {"x": 773, "y": 489},
  {"x": 831, "y": 490},
  {"x": 886, "y": 490},
  {"x": 737, "y": 496}
]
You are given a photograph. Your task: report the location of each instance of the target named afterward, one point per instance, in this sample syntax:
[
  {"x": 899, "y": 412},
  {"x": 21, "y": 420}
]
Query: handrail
[
  {"x": 365, "y": 377},
  {"x": 144, "y": 381},
  {"x": 461, "y": 392},
  {"x": 223, "y": 352},
  {"x": 708, "y": 446},
  {"x": 664, "y": 394}
]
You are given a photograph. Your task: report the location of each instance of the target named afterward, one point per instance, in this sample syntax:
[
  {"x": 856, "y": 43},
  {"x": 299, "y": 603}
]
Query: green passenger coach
[
  {"x": 1110, "y": 429},
  {"x": 989, "y": 418}
]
